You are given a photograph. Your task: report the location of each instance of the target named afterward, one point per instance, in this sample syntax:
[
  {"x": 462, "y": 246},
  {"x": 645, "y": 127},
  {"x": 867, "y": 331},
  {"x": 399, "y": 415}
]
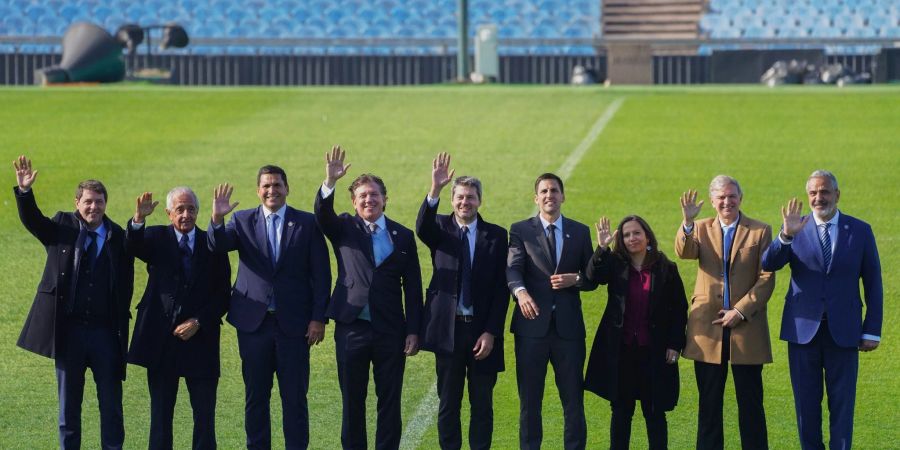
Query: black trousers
[
  {"x": 748, "y": 389},
  {"x": 567, "y": 356},
  {"x": 452, "y": 371},
  {"x": 163, "y": 386},
  {"x": 635, "y": 383},
  {"x": 357, "y": 347},
  {"x": 96, "y": 347}
]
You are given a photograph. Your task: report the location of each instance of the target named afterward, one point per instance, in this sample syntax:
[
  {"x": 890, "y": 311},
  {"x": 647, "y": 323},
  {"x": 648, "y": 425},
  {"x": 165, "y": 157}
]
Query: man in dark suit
[
  {"x": 80, "y": 313},
  {"x": 378, "y": 268},
  {"x": 277, "y": 304},
  {"x": 829, "y": 252},
  {"x": 176, "y": 333},
  {"x": 548, "y": 254},
  {"x": 465, "y": 304}
]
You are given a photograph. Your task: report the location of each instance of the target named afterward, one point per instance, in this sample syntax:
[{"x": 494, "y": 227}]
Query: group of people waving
[{"x": 283, "y": 297}]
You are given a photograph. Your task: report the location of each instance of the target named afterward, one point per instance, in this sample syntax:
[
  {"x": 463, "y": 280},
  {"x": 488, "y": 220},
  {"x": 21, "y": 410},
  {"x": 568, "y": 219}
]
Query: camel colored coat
[{"x": 750, "y": 287}]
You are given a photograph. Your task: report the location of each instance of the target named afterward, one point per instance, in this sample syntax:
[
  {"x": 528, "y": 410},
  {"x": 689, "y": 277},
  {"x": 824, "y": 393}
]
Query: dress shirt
[{"x": 636, "y": 323}]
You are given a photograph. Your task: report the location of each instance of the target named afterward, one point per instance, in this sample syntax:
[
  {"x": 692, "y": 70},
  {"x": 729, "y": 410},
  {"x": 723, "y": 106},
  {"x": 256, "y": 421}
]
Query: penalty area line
[{"x": 426, "y": 412}]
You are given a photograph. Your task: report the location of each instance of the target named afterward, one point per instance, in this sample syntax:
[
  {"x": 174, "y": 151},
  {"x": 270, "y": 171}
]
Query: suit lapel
[
  {"x": 715, "y": 235},
  {"x": 286, "y": 233},
  {"x": 843, "y": 240},
  {"x": 261, "y": 234},
  {"x": 541, "y": 237},
  {"x": 481, "y": 246},
  {"x": 365, "y": 239},
  {"x": 812, "y": 234},
  {"x": 741, "y": 231}
]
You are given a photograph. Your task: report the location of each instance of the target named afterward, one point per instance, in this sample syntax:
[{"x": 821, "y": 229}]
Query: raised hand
[
  {"x": 334, "y": 166},
  {"x": 792, "y": 217},
  {"x": 689, "y": 206},
  {"x": 604, "y": 237},
  {"x": 145, "y": 206},
  {"x": 222, "y": 203},
  {"x": 441, "y": 174},
  {"x": 24, "y": 174}
]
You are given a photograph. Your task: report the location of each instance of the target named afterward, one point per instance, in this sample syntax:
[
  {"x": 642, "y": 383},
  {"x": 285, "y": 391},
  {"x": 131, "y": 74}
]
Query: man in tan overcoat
[{"x": 727, "y": 319}]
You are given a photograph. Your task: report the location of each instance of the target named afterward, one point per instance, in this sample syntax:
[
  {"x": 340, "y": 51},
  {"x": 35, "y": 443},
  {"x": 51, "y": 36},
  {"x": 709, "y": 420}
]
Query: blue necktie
[
  {"x": 91, "y": 252},
  {"x": 185, "y": 249},
  {"x": 381, "y": 244},
  {"x": 273, "y": 238},
  {"x": 825, "y": 241},
  {"x": 465, "y": 275},
  {"x": 727, "y": 237}
]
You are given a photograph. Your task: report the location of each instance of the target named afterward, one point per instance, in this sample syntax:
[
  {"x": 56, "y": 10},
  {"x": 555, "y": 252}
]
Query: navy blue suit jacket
[
  {"x": 298, "y": 283},
  {"x": 386, "y": 288},
  {"x": 170, "y": 299},
  {"x": 814, "y": 291},
  {"x": 490, "y": 297}
]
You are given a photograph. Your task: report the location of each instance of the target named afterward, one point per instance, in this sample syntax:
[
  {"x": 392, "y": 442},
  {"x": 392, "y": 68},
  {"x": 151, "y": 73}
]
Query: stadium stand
[
  {"x": 543, "y": 19},
  {"x": 754, "y": 19}
]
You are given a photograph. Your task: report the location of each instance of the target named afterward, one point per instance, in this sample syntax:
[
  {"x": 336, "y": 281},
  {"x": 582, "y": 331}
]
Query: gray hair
[
  {"x": 176, "y": 191},
  {"x": 822, "y": 173},
  {"x": 468, "y": 182},
  {"x": 720, "y": 181}
]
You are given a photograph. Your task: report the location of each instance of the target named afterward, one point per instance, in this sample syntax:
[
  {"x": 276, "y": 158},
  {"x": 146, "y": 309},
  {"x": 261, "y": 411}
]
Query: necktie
[
  {"x": 273, "y": 238},
  {"x": 551, "y": 242},
  {"x": 825, "y": 240},
  {"x": 91, "y": 252},
  {"x": 727, "y": 238},
  {"x": 465, "y": 279},
  {"x": 184, "y": 249},
  {"x": 381, "y": 244}
]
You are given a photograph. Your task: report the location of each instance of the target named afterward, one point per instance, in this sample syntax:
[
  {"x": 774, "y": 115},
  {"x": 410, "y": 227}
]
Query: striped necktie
[{"x": 825, "y": 240}]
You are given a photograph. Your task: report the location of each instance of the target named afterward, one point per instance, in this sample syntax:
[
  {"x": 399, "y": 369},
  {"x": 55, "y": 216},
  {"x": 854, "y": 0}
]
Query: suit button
[
  {"x": 62, "y": 274},
  {"x": 185, "y": 286},
  {"x": 90, "y": 284}
]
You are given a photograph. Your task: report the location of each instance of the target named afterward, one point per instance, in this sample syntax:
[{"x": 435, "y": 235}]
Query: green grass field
[{"x": 659, "y": 143}]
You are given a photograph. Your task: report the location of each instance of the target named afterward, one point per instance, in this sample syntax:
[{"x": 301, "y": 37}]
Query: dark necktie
[
  {"x": 185, "y": 250},
  {"x": 465, "y": 279},
  {"x": 825, "y": 240},
  {"x": 91, "y": 252},
  {"x": 551, "y": 242}
]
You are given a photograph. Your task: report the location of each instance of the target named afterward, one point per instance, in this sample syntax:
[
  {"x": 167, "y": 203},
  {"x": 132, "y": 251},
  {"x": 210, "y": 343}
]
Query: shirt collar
[
  {"x": 472, "y": 226},
  {"x": 733, "y": 224},
  {"x": 381, "y": 222},
  {"x": 833, "y": 221},
  {"x": 279, "y": 213},
  {"x": 190, "y": 235},
  {"x": 558, "y": 224},
  {"x": 101, "y": 230}
]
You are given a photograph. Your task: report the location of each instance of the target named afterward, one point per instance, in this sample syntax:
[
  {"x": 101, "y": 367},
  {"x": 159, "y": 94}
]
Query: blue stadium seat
[
  {"x": 36, "y": 11},
  {"x": 51, "y": 26},
  {"x": 137, "y": 14}
]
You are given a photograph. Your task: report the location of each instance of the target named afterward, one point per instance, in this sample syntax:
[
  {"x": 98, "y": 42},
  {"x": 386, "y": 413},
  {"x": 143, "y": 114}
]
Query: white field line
[{"x": 426, "y": 413}]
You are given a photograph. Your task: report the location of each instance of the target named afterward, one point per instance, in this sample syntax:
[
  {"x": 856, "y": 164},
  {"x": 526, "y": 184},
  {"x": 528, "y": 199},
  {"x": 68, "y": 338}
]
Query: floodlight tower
[{"x": 462, "y": 41}]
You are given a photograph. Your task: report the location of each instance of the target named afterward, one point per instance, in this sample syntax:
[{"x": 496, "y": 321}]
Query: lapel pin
[
  {"x": 846, "y": 227},
  {"x": 394, "y": 232},
  {"x": 567, "y": 236},
  {"x": 290, "y": 224}
]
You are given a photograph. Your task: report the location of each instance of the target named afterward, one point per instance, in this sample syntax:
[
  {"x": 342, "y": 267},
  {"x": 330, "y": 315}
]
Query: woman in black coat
[{"x": 635, "y": 351}]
